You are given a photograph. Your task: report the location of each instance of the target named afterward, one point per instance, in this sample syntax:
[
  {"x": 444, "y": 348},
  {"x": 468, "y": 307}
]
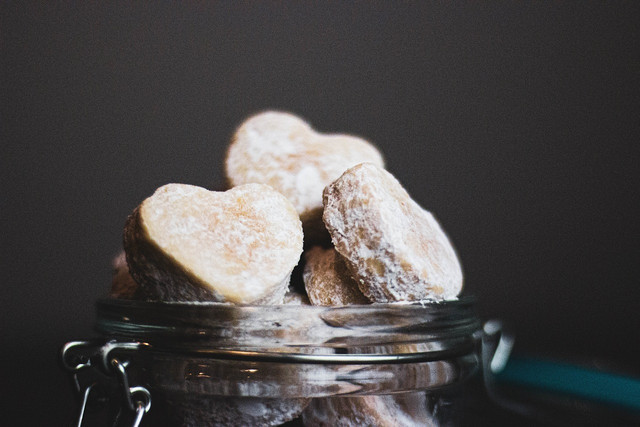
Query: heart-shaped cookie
[
  {"x": 239, "y": 246},
  {"x": 395, "y": 249},
  {"x": 283, "y": 151}
]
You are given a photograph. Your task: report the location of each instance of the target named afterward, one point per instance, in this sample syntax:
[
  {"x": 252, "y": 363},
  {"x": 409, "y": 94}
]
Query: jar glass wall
[{"x": 220, "y": 364}]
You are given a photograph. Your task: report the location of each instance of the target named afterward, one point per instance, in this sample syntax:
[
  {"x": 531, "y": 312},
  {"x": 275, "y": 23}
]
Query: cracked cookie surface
[{"x": 395, "y": 249}]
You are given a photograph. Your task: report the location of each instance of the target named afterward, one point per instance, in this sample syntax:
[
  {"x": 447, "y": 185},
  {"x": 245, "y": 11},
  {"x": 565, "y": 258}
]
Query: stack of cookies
[{"x": 295, "y": 195}]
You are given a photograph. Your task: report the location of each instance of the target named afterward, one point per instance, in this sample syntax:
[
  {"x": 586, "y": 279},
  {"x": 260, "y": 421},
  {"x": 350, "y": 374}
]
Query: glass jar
[{"x": 206, "y": 364}]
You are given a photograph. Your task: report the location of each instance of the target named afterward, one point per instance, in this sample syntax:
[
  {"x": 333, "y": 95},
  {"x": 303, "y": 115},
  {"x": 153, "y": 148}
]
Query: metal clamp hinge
[{"x": 94, "y": 369}]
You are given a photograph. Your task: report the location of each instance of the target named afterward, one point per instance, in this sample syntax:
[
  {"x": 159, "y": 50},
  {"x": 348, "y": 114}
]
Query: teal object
[{"x": 574, "y": 380}]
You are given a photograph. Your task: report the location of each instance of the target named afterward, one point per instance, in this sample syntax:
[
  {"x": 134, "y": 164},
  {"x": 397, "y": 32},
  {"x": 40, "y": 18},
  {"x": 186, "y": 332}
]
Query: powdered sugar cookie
[
  {"x": 406, "y": 409},
  {"x": 394, "y": 248},
  {"x": 239, "y": 246},
  {"x": 328, "y": 280},
  {"x": 237, "y": 411},
  {"x": 283, "y": 151}
]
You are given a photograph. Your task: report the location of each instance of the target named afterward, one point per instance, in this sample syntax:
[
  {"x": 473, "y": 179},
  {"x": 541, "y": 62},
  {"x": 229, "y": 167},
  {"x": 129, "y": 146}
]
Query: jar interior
[{"x": 216, "y": 349}]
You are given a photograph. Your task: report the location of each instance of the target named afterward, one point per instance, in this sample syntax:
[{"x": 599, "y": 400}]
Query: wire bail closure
[{"x": 92, "y": 368}]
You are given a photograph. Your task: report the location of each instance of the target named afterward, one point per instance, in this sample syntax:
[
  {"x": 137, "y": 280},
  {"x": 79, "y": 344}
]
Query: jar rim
[
  {"x": 390, "y": 328},
  {"x": 427, "y": 303}
]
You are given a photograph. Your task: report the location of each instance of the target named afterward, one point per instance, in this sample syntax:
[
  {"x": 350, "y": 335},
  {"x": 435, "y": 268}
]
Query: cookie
[
  {"x": 122, "y": 284},
  {"x": 328, "y": 281},
  {"x": 185, "y": 243},
  {"x": 395, "y": 249},
  {"x": 405, "y": 409},
  {"x": 236, "y": 411},
  {"x": 283, "y": 151}
]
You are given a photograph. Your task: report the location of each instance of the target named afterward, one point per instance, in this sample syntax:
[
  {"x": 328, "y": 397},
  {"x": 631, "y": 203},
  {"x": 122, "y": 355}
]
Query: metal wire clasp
[
  {"x": 93, "y": 367},
  {"x": 497, "y": 342}
]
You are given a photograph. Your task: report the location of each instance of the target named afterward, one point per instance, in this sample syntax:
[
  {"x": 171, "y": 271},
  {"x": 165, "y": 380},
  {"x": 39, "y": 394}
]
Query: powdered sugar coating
[
  {"x": 393, "y": 247},
  {"x": 199, "y": 411},
  {"x": 238, "y": 246},
  {"x": 295, "y": 298},
  {"x": 406, "y": 409},
  {"x": 328, "y": 281},
  {"x": 283, "y": 151}
]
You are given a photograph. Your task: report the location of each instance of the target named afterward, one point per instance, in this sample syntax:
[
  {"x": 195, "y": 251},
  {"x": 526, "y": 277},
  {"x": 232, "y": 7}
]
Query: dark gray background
[{"x": 516, "y": 123}]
